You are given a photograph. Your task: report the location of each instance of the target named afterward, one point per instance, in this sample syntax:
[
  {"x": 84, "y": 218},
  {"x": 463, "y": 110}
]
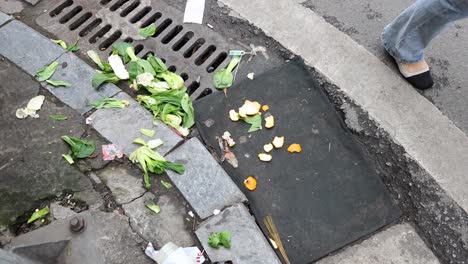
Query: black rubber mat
[{"x": 321, "y": 199}]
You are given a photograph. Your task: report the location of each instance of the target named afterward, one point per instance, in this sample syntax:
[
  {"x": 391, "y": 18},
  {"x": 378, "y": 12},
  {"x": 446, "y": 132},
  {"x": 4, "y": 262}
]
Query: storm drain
[{"x": 193, "y": 51}]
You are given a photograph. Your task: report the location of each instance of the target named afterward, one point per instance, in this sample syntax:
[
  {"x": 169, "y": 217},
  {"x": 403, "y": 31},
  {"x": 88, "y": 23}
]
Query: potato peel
[
  {"x": 295, "y": 148},
  {"x": 249, "y": 108},
  {"x": 265, "y": 108},
  {"x": 268, "y": 147},
  {"x": 250, "y": 183},
  {"x": 269, "y": 121},
  {"x": 278, "y": 142},
  {"x": 265, "y": 157},
  {"x": 234, "y": 116}
]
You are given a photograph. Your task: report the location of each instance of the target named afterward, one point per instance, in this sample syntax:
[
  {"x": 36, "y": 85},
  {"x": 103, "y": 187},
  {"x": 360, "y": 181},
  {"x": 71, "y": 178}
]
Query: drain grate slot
[
  {"x": 172, "y": 34},
  {"x": 140, "y": 15},
  {"x": 60, "y": 8},
  {"x": 130, "y": 8},
  {"x": 75, "y": 11},
  {"x": 80, "y": 21},
  {"x": 193, "y": 51}
]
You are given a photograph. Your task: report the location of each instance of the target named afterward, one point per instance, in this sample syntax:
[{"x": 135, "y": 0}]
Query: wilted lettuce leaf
[
  {"x": 110, "y": 103},
  {"x": 223, "y": 78},
  {"x": 58, "y": 83},
  {"x": 80, "y": 148},
  {"x": 153, "y": 207},
  {"x": 255, "y": 121},
  {"x": 58, "y": 117},
  {"x": 100, "y": 78},
  {"x": 39, "y": 214},
  {"x": 120, "y": 48},
  {"x": 46, "y": 72},
  {"x": 148, "y": 31}
]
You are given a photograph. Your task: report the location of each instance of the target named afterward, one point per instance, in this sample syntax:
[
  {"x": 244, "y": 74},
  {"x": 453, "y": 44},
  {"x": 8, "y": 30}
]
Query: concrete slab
[
  {"x": 27, "y": 48},
  {"x": 4, "y": 18},
  {"x": 80, "y": 94},
  {"x": 205, "y": 185},
  {"x": 248, "y": 244},
  {"x": 398, "y": 244},
  {"x": 60, "y": 212},
  {"x": 32, "y": 2},
  {"x": 111, "y": 122},
  {"x": 107, "y": 238},
  {"x": 410, "y": 119},
  {"x": 167, "y": 226},
  {"x": 126, "y": 184},
  {"x": 31, "y": 163},
  {"x": 11, "y": 6}
]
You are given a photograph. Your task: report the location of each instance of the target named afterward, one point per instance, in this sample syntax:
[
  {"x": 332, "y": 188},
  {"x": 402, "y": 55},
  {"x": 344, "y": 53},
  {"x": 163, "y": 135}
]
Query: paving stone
[
  {"x": 125, "y": 183},
  {"x": 32, "y": 2},
  {"x": 122, "y": 126},
  {"x": 167, "y": 226},
  {"x": 60, "y": 212},
  {"x": 248, "y": 244},
  {"x": 80, "y": 94},
  {"x": 398, "y": 244},
  {"x": 27, "y": 48},
  {"x": 4, "y": 18},
  {"x": 205, "y": 185}
]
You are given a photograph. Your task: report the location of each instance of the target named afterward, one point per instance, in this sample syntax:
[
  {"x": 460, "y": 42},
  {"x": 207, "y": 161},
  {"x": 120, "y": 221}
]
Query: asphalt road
[{"x": 364, "y": 20}]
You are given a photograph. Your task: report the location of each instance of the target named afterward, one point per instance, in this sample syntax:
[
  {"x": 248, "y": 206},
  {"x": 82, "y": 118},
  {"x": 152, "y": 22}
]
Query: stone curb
[{"x": 4, "y": 18}]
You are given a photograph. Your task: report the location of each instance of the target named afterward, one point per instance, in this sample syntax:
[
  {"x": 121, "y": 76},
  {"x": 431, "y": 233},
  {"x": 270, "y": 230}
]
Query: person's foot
[{"x": 417, "y": 74}]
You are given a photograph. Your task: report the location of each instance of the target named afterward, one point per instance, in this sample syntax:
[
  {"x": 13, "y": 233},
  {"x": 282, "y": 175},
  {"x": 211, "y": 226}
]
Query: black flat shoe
[{"x": 421, "y": 80}]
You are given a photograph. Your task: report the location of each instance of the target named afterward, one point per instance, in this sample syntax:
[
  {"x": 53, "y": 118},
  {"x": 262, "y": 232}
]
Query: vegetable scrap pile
[
  {"x": 166, "y": 96},
  {"x": 251, "y": 112},
  {"x": 216, "y": 240}
]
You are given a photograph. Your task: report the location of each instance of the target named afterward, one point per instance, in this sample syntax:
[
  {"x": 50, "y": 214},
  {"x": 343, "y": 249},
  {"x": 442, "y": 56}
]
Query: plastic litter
[
  {"x": 172, "y": 254},
  {"x": 111, "y": 152},
  {"x": 194, "y": 11}
]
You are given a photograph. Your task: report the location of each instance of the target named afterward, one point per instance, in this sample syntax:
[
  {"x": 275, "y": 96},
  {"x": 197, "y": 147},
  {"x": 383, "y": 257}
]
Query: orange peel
[
  {"x": 250, "y": 183},
  {"x": 295, "y": 148},
  {"x": 265, "y": 108}
]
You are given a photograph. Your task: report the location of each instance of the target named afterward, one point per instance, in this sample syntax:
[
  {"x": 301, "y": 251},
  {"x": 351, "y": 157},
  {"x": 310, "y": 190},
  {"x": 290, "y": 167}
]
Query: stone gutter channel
[{"x": 205, "y": 185}]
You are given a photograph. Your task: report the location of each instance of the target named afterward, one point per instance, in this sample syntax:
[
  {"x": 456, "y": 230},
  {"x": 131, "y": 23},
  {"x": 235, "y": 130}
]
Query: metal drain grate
[{"x": 193, "y": 51}]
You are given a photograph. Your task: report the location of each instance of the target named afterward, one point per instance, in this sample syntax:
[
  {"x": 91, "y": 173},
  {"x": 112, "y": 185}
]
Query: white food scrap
[
  {"x": 233, "y": 115},
  {"x": 278, "y": 142},
  {"x": 268, "y": 147},
  {"x": 269, "y": 121},
  {"x": 265, "y": 157},
  {"x": 249, "y": 108}
]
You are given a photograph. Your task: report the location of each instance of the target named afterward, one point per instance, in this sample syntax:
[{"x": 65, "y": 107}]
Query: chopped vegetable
[
  {"x": 46, "y": 72},
  {"x": 58, "y": 117},
  {"x": 265, "y": 108},
  {"x": 31, "y": 108},
  {"x": 120, "y": 48},
  {"x": 148, "y": 31},
  {"x": 233, "y": 115},
  {"x": 64, "y": 45},
  {"x": 38, "y": 214},
  {"x": 152, "y": 161},
  {"x": 95, "y": 57},
  {"x": 153, "y": 207},
  {"x": 118, "y": 67},
  {"x": 147, "y": 132},
  {"x": 295, "y": 148},
  {"x": 220, "y": 239},
  {"x": 80, "y": 148},
  {"x": 60, "y": 42},
  {"x": 223, "y": 79},
  {"x": 255, "y": 121},
  {"x": 74, "y": 47},
  {"x": 268, "y": 147},
  {"x": 152, "y": 144},
  {"x": 278, "y": 142},
  {"x": 110, "y": 103},
  {"x": 250, "y": 183},
  {"x": 166, "y": 184},
  {"x": 100, "y": 78},
  {"x": 269, "y": 121},
  {"x": 264, "y": 157},
  {"x": 58, "y": 83},
  {"x": 68, "y": 158},
  {"x": 249, "y": 108},
  {"x": 173, "y": 80}
]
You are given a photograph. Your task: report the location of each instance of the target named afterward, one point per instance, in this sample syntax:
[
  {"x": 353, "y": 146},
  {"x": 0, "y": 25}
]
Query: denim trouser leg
[{"x": 406, "y": 37}]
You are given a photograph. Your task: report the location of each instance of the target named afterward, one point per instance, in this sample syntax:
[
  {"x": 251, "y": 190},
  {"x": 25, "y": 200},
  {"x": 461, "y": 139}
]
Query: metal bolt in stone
[{"x": 77, "y": 224}]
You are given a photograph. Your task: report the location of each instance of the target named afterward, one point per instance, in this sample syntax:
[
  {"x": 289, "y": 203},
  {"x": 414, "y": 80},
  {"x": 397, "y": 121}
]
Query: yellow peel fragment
[
  {"x": 249, "y": 108},
  {"x": 233, "y": 115},
  {"x": 264, "y": 157},
  {"x": 278, "y": 142},
  {"x": 268, "y": 147},
  {"x": 294, "y": 148},
  {"x": 265, "y": 108},
  {"x": 269, "y": 121}
]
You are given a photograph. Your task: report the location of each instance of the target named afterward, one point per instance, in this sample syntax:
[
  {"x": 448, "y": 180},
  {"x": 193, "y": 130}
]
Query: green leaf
[
  {"x": 80, "y": 148},
  {"x": 175, "y": 81},
  {"x": 214, "y": 240},
  {"x": 148, "y": 31},
  {"x": 68, "y": 158},
  {"x": 110, "y": 103},
  {"x": 58, "y": 83},
  {"x": 130, "y": 51},
  {"x": 100, "y": 78},
  {"x": 146, "y": 66},
  {"x": 139, "y": 141},
  {"x": 121, "y": 49},
  {"x": 157, "y": 63},
  {"x": 58, "y": 117},
  {"x": 153, "y": 207},
  {"x": 255, "y": 121},
  {"x": 38, "y": 214},
  {"x": 223, "y": 79},
  {"x": 147, "y": 132},
  {"x": 166, "y": 184},
  {"x": 225, "y": 239},
  {"x": 60, "y": 42},
  {"x": 189, "y": 116},
  {"x": 46, "y": 72},
  {"x": 95, "y": 57},
  {"x": 135, "y": 69},
  {"x": 73, "y": 47}
]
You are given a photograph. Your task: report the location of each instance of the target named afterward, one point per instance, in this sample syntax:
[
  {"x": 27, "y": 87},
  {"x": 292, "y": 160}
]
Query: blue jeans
[{"x": 406, "y": 37}]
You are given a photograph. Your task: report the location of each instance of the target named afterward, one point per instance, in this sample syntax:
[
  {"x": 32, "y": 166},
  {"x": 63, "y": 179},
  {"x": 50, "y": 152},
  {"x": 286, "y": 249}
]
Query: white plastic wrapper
[
  {"x": 194, "y": 11},
  {"x": 190, "y": 255}
]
